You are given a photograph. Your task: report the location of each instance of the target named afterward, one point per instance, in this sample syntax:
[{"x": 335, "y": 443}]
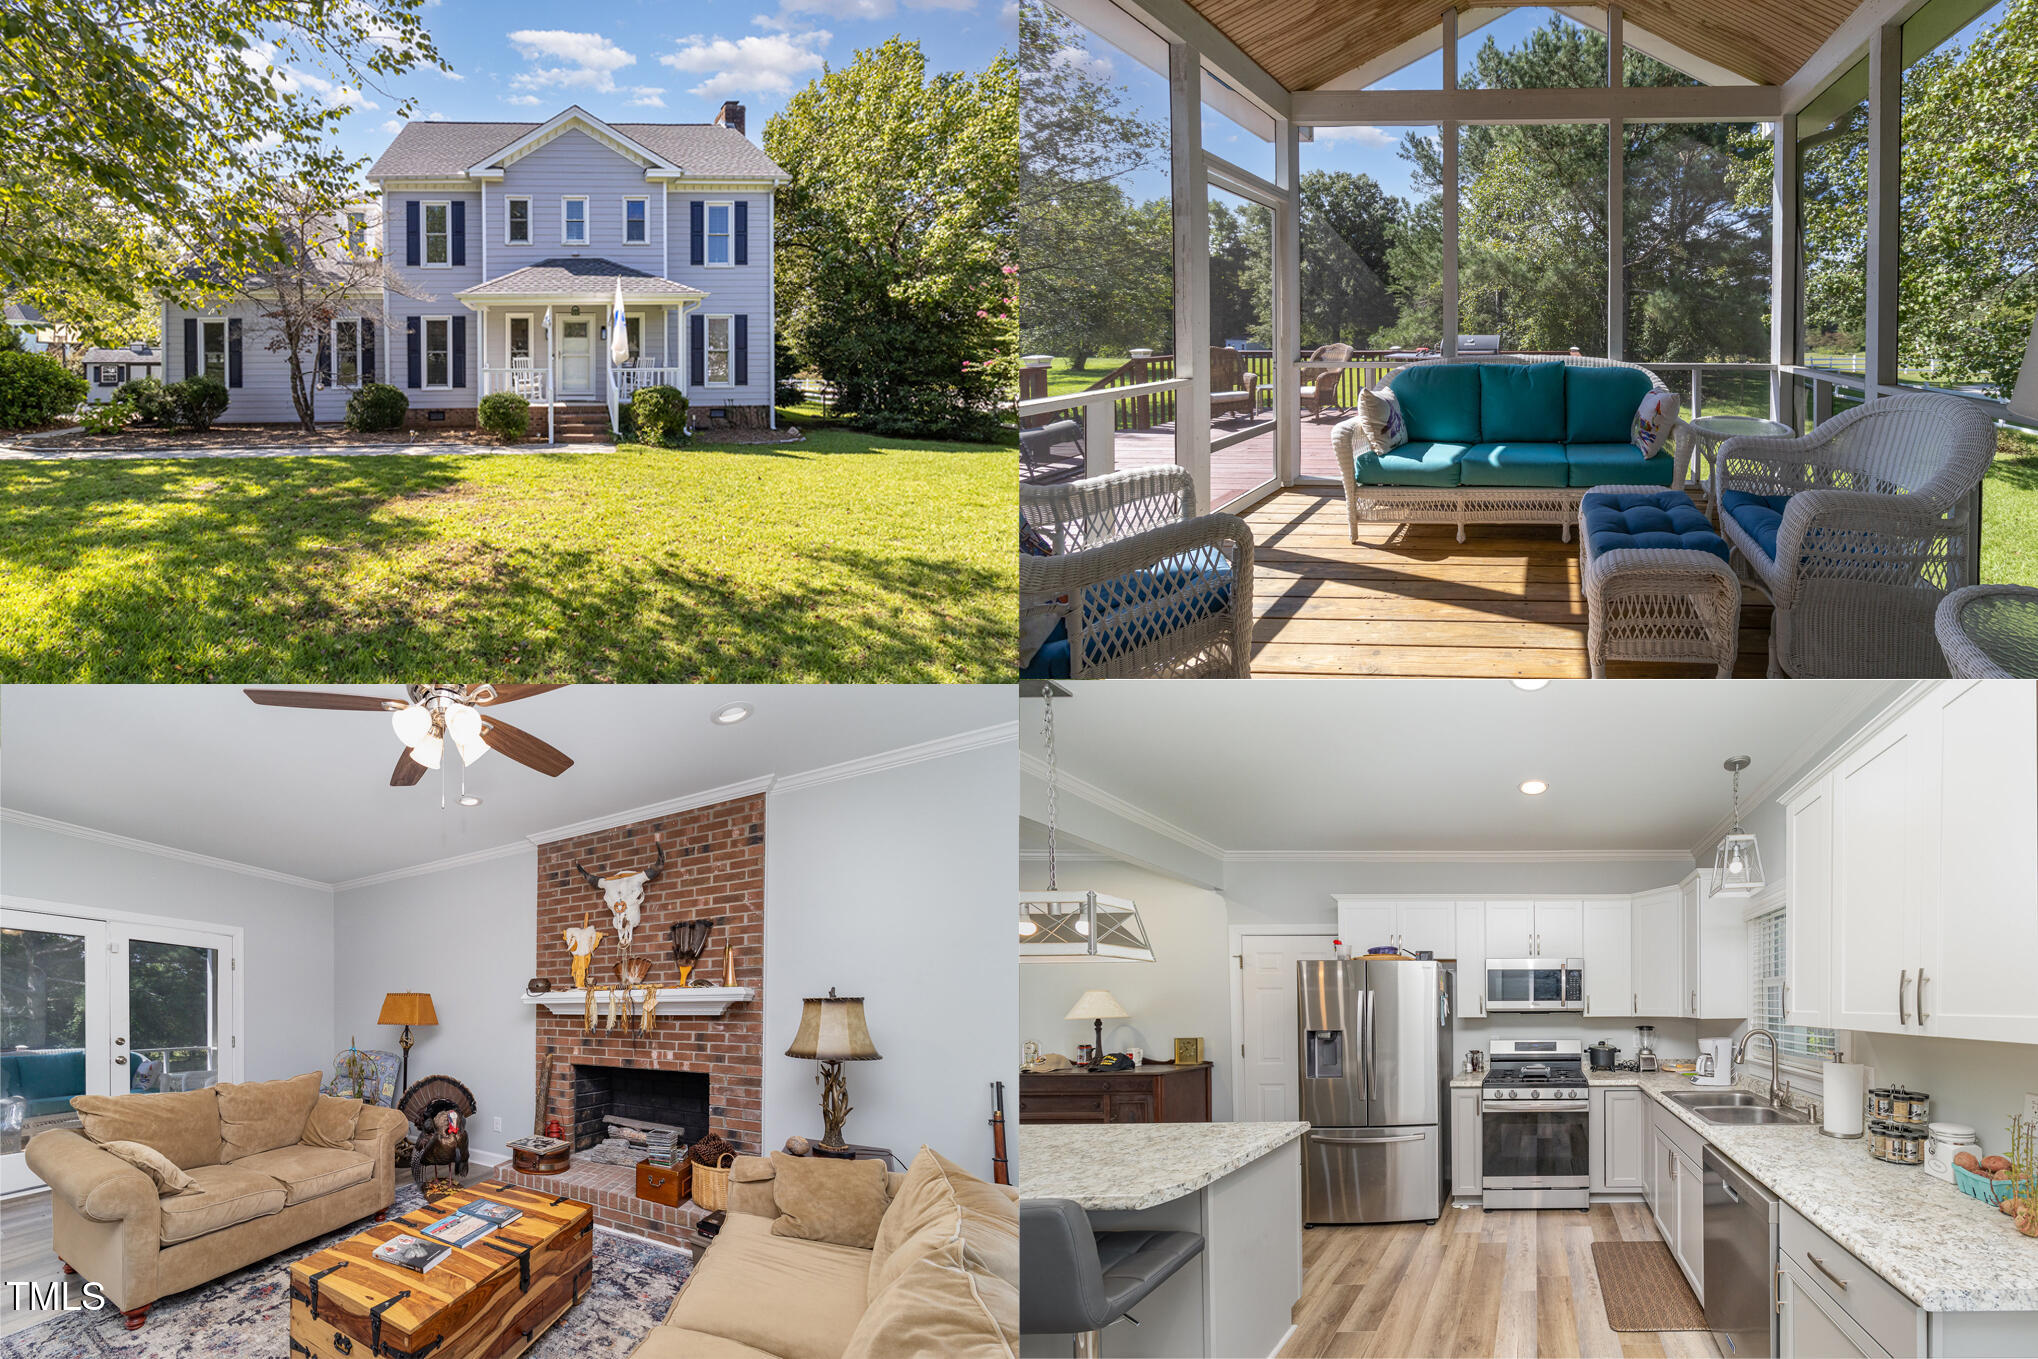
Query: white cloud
[
  {"x": 1082, "y": 59},
  {"x": 847, "y": 9},
  {"x": 1364, "y": 136},
  {"x": 582, "y": 59},
  {"x": 393, "y": 126},
  {"x": 646, "y": 97},
  {"x": 435, "y": 117},
  {"x": 450, "y": 75},
  {"x": 1008, "y": 13},
  {"x": 768, "y": 64},
  {"x": 525, "y": 99},
  {"x": 941, "y": 4},
  {"x": 292, "y": 80}
]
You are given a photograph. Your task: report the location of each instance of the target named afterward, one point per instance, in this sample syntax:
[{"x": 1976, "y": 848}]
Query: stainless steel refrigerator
[{"x": 1375, "y": 1066}]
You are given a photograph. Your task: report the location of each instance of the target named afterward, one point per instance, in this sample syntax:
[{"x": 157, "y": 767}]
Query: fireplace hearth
[{"x": 677, "y": 1099}]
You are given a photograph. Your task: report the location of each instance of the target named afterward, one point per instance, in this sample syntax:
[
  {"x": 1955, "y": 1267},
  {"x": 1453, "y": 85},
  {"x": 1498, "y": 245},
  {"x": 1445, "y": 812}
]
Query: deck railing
[
  {"x": 625, "y": 383},
  {"x": 532, "y": 384}
]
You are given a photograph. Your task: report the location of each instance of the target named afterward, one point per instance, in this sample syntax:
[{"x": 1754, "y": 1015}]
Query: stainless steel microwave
[{"x": 1535, "y": 984}]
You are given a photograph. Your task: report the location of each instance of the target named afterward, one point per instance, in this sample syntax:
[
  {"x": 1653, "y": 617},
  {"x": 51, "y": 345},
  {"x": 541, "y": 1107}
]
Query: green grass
[
  {"x": 2009, "y": 511},
  {"x": 844, "y": 558},
  {"x": 1061, "y": 380}
]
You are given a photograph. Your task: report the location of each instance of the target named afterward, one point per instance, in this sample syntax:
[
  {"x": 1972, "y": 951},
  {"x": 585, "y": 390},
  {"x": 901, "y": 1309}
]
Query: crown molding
[
  {"x": 1119, "y": 807},
  {"x": 1457, "y": 856},
  {"x": 1039, "y": 856},
  {"x": 187, "y": 856},
  {"x": 479, "y": 856},
  {"x": 686, "y": 802},
  {"x": 1004, "y": 733}
]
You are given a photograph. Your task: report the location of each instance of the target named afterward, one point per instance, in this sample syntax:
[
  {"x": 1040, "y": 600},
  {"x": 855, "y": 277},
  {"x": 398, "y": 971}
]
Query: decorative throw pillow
[
  {"x": 1654, "y": 419},
  {"x": 256, "y": 1116},
  {"x": 1380, "y": 416},
  {"x": 937, "y": 1307},
  {"x": 824, "y": 1199},
  {"x": 152, "y": 1163},
  {"x": 332, "y": 1123}
]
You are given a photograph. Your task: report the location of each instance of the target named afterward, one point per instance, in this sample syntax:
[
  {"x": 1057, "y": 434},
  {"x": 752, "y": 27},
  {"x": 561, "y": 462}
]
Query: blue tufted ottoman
[{"x": 1657, "y": 584}]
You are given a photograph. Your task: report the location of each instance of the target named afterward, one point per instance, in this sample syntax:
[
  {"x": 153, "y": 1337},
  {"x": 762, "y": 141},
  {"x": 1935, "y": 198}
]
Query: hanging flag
[{"x": 619, "y": 330}]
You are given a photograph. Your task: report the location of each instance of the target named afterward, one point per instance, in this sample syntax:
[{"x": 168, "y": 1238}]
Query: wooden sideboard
[{"x": 1157, "y": 1092}]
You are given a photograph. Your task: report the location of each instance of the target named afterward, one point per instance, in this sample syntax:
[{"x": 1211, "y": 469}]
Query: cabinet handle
[
  {"x": 1823, "y": 1270},
  {"x": 1635, "y": 1003},
  {"x": 1903, "y": 1013},
  {"x": 1588, "y": 1005},
  {"x": 1921, "y": 996},
  {"x": 1694, "y": 1004},
  {"x": 1776, "y": 1290}
]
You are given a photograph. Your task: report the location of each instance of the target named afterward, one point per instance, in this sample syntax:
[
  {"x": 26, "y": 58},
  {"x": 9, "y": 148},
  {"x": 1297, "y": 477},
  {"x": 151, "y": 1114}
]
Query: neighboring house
[
  {"x": 37, "y": 334},
  {"x": 503, "y": 244},
  {"x": 107, "y": 369}
]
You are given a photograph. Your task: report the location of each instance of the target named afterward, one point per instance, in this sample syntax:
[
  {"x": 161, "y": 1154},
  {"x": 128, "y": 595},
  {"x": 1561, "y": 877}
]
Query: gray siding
[
  {"x": 737, "y": 290},
  {"x": 434, "y": 284},
  {"x": 264, "y": 394},
  {"x": 573, "y": 163}
]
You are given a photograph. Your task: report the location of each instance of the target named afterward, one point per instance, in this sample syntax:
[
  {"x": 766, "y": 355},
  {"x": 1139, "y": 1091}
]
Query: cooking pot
[{"x": 1603, "y": 1055}]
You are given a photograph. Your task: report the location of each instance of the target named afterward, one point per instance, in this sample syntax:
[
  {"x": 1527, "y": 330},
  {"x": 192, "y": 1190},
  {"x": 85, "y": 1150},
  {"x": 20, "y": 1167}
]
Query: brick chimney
[{"x": 731, "y": 116}]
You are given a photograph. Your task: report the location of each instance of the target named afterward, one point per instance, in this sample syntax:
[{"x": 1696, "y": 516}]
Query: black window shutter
[
  {"x": 191, "y": 346},
  {"x": 233, "y": 351},
  {"x": 742, "y": 351},
  {"x": 697, "y": 349},
  {"x": 698, "y": 213},
  {"x": 459, "y": 351},
  {"x": 367, "y": 350},
  {"x": 459, "y": 233},
  {"x": 324, "y": 362},
  {"x": 121, "y": 375},
  {"x": 742, "y": 233},
  {"x": 415, "y": 341},
  {"x": 410, "y": 233}
]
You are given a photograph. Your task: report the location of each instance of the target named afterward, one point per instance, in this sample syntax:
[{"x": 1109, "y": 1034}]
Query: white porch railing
[
  {"x": 532, "y": 384},
  {"x": 625, "y": 383}
]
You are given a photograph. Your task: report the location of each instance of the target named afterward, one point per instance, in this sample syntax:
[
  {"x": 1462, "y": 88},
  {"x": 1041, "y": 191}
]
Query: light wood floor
[
  {"x": 1501, "y": 1284},
  {"x": 1412, "y": 600},
  {"x": 25, "y": 1255}
]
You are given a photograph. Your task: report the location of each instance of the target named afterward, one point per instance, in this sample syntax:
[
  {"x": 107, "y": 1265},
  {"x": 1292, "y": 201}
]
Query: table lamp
[
  {"x": 1098, "y": 1006},
  {"x": 832, "y": 1032},
  {"x": 407, "y": 1008}
]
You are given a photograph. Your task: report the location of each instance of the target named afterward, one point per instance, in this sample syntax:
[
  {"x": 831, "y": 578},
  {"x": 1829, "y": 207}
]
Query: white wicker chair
[
  {"x": 1462, "y": 505},
  {"x": 1873, "y": 536},
  {"x": 1117, "y": 577}
]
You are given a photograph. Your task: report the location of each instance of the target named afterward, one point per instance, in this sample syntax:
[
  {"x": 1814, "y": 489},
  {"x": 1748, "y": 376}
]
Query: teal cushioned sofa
[
  {"x": 1505, "y": 439},
  {"x": 44, "y": 1080}
]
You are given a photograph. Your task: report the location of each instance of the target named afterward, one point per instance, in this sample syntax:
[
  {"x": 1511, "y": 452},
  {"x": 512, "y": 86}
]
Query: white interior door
[
  {"x": 54, "y": 1029},
  {"x": 1267, "y": 1086},
  {"x": 576, "y": 356}
]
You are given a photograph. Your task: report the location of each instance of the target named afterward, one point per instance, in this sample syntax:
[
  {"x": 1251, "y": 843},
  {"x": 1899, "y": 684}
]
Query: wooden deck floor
[
  {"x": 1502, "y": 1284},
  {"x": 1412, "y": 600}
]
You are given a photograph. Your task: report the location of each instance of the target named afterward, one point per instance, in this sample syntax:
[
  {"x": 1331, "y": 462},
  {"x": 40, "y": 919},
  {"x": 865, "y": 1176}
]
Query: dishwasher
[{"x": 1740, "y": 1261}]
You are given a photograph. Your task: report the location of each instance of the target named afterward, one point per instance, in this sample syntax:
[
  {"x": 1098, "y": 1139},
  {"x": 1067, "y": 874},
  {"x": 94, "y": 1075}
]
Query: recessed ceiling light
[
  {"x": 730, "y": 714},
  {"x": 1529, "y": 686},
  {"x": 1534, "y": 787}
]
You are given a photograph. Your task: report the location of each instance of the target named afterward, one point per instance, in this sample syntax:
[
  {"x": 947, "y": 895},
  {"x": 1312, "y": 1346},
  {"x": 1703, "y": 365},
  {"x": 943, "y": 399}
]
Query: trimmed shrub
[
  {"x": 35, "y": 389},
  {"x": 657, "y": 416},
  {"x": 199, "y": 400},
  {"x": 108, "y": 417},
  {"x": 505, "y": 415},
  {"x": 376, "y": 407},
  {"x": 150, "y": 400}
]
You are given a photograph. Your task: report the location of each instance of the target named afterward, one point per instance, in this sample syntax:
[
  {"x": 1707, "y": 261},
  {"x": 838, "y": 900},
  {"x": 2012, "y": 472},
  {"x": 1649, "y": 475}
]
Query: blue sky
[{"x": 629, "y": 61}]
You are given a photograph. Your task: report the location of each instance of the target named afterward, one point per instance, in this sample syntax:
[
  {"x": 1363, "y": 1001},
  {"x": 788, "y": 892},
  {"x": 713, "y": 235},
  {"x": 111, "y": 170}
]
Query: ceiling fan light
[
  {"x": 471, "y": 747},
  {"x": 463, "y": 723},
  {"x": 429, "y": 752},
  {"x": 413, "y": 724}
]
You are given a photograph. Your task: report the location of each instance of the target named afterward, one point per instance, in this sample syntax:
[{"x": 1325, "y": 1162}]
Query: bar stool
[{"x": 1074, "y": 1280}]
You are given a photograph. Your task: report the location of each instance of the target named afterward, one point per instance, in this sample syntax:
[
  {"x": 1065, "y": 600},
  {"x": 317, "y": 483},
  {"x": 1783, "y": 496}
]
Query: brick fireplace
[{"x": 714, "y": 869}]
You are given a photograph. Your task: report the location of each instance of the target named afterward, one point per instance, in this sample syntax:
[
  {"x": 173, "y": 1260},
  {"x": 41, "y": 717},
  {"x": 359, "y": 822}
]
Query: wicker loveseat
[{"x": 1505, "y": 439}]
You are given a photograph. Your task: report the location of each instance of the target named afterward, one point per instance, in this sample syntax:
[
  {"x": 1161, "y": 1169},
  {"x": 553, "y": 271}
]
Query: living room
[
  {"x": 1284, "y": 967},
  {"x": 677, "y": 981}
]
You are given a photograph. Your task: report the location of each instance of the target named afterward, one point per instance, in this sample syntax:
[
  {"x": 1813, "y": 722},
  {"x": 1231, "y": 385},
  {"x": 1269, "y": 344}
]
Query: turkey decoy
[{"x": 438, "y": 1107}]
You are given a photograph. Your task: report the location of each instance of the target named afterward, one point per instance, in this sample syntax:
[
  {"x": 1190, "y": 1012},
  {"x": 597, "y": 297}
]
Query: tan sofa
[
  {"x": 259, "y": 1185},
  {"x": 942, "y": 1281}
]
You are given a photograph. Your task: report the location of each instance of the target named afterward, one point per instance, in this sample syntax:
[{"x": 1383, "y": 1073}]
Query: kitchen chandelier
[{"x": 1737, "y": 865}]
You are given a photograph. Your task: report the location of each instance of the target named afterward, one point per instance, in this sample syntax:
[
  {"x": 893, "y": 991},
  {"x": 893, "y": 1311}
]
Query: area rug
[
  {"x": 247, "y": 1313},
  {"x": 1643, "y": 1289}
]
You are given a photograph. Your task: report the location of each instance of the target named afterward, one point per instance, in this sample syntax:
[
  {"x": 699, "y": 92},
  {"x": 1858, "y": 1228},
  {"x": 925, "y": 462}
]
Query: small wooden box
[{"x": 664, "y": 1184}]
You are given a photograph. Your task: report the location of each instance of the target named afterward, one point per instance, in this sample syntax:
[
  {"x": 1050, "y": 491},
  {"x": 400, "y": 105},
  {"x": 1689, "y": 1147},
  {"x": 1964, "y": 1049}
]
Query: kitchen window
[
  {"x": 636, "y": 221},
  {"x": 212, "y": 349},
  {"x": 438, "y": 351},
  {"x": 516, "y": 228},
  {"x": 720, "y": 329},
  {"x": 720, "y": 229},
  {"x": 438, "y": 236},
  {"x": 573, "y": 221},
  {"x": 1798, "y": 1046},
  {"x": 347, "y": 353}
]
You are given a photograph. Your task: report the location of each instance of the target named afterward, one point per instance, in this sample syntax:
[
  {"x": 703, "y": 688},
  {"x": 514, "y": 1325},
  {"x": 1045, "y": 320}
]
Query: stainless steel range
[{"x": 1535, "y": 1149}]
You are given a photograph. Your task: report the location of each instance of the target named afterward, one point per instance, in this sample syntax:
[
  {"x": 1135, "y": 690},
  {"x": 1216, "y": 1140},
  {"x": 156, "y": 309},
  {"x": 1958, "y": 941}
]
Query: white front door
[
  {"x": 576, "y": 356},
  {"x": 1267, "y": 1085}
]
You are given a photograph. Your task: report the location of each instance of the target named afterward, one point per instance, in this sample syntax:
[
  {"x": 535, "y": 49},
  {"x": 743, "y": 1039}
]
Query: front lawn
[
  {"x": 843, "y": 558},
  {"x": 2009, "y": 511}
]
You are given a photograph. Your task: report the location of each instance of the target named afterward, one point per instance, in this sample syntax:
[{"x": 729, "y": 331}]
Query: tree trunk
[{"x": 300, "y": 396}]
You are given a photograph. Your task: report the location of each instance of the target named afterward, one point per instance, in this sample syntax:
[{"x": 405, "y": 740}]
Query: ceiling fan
[{"x": 430, "y": 715}]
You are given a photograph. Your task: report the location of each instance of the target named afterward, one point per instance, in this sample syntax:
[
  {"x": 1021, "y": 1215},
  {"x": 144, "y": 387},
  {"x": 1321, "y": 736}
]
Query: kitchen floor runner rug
[{"x": 1643, "y": 1289}]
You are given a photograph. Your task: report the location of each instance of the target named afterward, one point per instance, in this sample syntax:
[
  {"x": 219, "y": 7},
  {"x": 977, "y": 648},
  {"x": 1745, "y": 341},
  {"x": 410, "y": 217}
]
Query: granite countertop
[{"x": 1125, "y": 1166}]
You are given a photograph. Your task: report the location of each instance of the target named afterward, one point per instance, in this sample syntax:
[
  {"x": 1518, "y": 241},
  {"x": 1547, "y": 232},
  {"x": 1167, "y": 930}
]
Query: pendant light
[
  {"x": 1061, "y": 927},
  {"x": 1737, "y": 865}
]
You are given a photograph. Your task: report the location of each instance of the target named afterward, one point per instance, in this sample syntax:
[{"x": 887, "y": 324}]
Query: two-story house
[{"x": 503, "y": 246}]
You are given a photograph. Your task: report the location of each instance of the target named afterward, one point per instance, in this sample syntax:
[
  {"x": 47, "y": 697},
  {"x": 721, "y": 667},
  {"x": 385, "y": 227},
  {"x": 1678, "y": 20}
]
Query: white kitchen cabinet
[
  {"x": 1691, "y": 1221},
  {"x": 1808, "y": 829},
  {"x": 1619, "y": 1136},
  {"x": 1510, "y": 929},
  {"x": 1465, "y": 1143},
  {"x": 1560, "y": 930},
  {"x": 1811, "y": 1326},
  {"x": 1663, "y": 1181},
  {"x": 1679, "y": 1188},
  {"x": 1714, "y": 937},
  {"x": 1657, "y": 959},
  {"x": 1366, "y": 923},
  {"x": 1471, "y": 949},
  {"x": 1885, "y": 810},
  {"x": 1608, "y": 951}
]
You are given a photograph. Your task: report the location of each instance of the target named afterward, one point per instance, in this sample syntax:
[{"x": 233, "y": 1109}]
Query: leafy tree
[
  {"x": 1348, "y": 228},
  {"x": 895, "y": 237}
]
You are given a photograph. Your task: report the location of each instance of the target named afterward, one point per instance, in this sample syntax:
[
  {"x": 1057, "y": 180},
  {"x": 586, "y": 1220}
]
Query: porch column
[
  {"x": 1885, "y": 109},
  {"x": 551, "y": 378},
  {"x": 1786, "y": 401},
  {"x": 1192, "y": 268},
  {"x": 482, "y": 313},
  {"x": 1448, "y": 135}
]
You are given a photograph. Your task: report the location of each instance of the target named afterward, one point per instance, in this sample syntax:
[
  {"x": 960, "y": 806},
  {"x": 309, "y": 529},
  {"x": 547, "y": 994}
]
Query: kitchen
[{"x": 1578, "y": 936}]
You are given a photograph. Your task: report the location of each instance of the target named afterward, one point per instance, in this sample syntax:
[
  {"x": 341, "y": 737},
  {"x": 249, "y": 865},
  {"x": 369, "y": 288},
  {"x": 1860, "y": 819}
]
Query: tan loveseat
[
  {"x": 258, "y": 1185},
  {"x": 941, "y": 1282}
]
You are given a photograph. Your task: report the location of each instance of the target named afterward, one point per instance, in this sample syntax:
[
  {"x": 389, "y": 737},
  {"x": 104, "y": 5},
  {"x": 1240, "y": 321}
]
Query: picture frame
[{"x": 1188, "y": 1051}]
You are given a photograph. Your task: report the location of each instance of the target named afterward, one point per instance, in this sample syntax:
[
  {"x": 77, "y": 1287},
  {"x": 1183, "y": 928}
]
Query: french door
[{"x": 97, "y": 1006}]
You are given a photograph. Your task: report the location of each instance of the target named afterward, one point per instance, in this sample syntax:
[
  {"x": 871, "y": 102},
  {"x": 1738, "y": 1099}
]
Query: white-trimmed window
[
  {"x": 1798, "y": 1046},
  {"x": 721, "y": 234},
  {"x": 347, "y": 351},
  {"x": 438, "y": 235},
  {"x": 633, "y": 327},
  {"x": 519, "y": 336},
  {"x": 106, "y": 374},
  {"x": 721, "y": 345},
  {"x": 212, "y": 349},
  {"x": 573, "y": 221},
  {"x": 357, "y": 234},
  {"x": 636, "y": 221},
  {"x": 516, "y": 221},
  {"x": 438, "y": 351}
]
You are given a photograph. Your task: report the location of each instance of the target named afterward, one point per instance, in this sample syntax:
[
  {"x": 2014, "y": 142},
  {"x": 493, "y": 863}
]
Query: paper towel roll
[{"x": 1846, "y": 1088}]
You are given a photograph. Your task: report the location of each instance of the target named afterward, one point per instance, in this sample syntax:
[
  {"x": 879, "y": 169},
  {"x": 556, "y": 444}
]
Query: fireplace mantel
[{"x": 672, "y": 1000}]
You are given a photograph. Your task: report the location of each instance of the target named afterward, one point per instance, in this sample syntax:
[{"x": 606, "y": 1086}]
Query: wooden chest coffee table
[{"x": 488, "y": 1301}]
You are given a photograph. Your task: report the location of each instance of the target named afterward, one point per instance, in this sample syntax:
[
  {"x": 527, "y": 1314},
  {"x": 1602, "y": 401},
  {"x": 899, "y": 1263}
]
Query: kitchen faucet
[{"x": 1779, "y": 1094}]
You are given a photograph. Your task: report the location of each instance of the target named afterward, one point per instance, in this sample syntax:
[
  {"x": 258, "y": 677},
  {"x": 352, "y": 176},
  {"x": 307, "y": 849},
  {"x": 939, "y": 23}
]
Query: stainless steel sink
[
  {"x": 1692, "y": 1099},
  {"x": 1729, "y": 1113}
]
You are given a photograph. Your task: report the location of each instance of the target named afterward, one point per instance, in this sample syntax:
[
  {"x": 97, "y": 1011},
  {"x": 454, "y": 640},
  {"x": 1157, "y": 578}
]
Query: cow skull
[{"x": 624, "y": 894}]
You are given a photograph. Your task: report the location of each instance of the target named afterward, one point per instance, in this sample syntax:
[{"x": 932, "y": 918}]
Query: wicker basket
[{"x": 711, "y": 1185}]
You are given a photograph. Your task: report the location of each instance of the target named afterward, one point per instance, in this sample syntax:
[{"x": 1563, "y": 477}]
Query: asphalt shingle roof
[
  {"x": 21, "y": 313},
  {"x": 120, "y": 356},
  {"x": 578, "y": 276},
  {"x": 436, "y": 150}
]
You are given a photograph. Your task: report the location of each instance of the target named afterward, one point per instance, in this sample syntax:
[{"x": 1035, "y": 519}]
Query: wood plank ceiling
[{"x": 1303, "y": 43}]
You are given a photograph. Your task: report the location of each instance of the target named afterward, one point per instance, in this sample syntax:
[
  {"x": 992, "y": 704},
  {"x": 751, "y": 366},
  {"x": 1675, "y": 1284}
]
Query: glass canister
[{"x": 1947, "y": 1141}]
